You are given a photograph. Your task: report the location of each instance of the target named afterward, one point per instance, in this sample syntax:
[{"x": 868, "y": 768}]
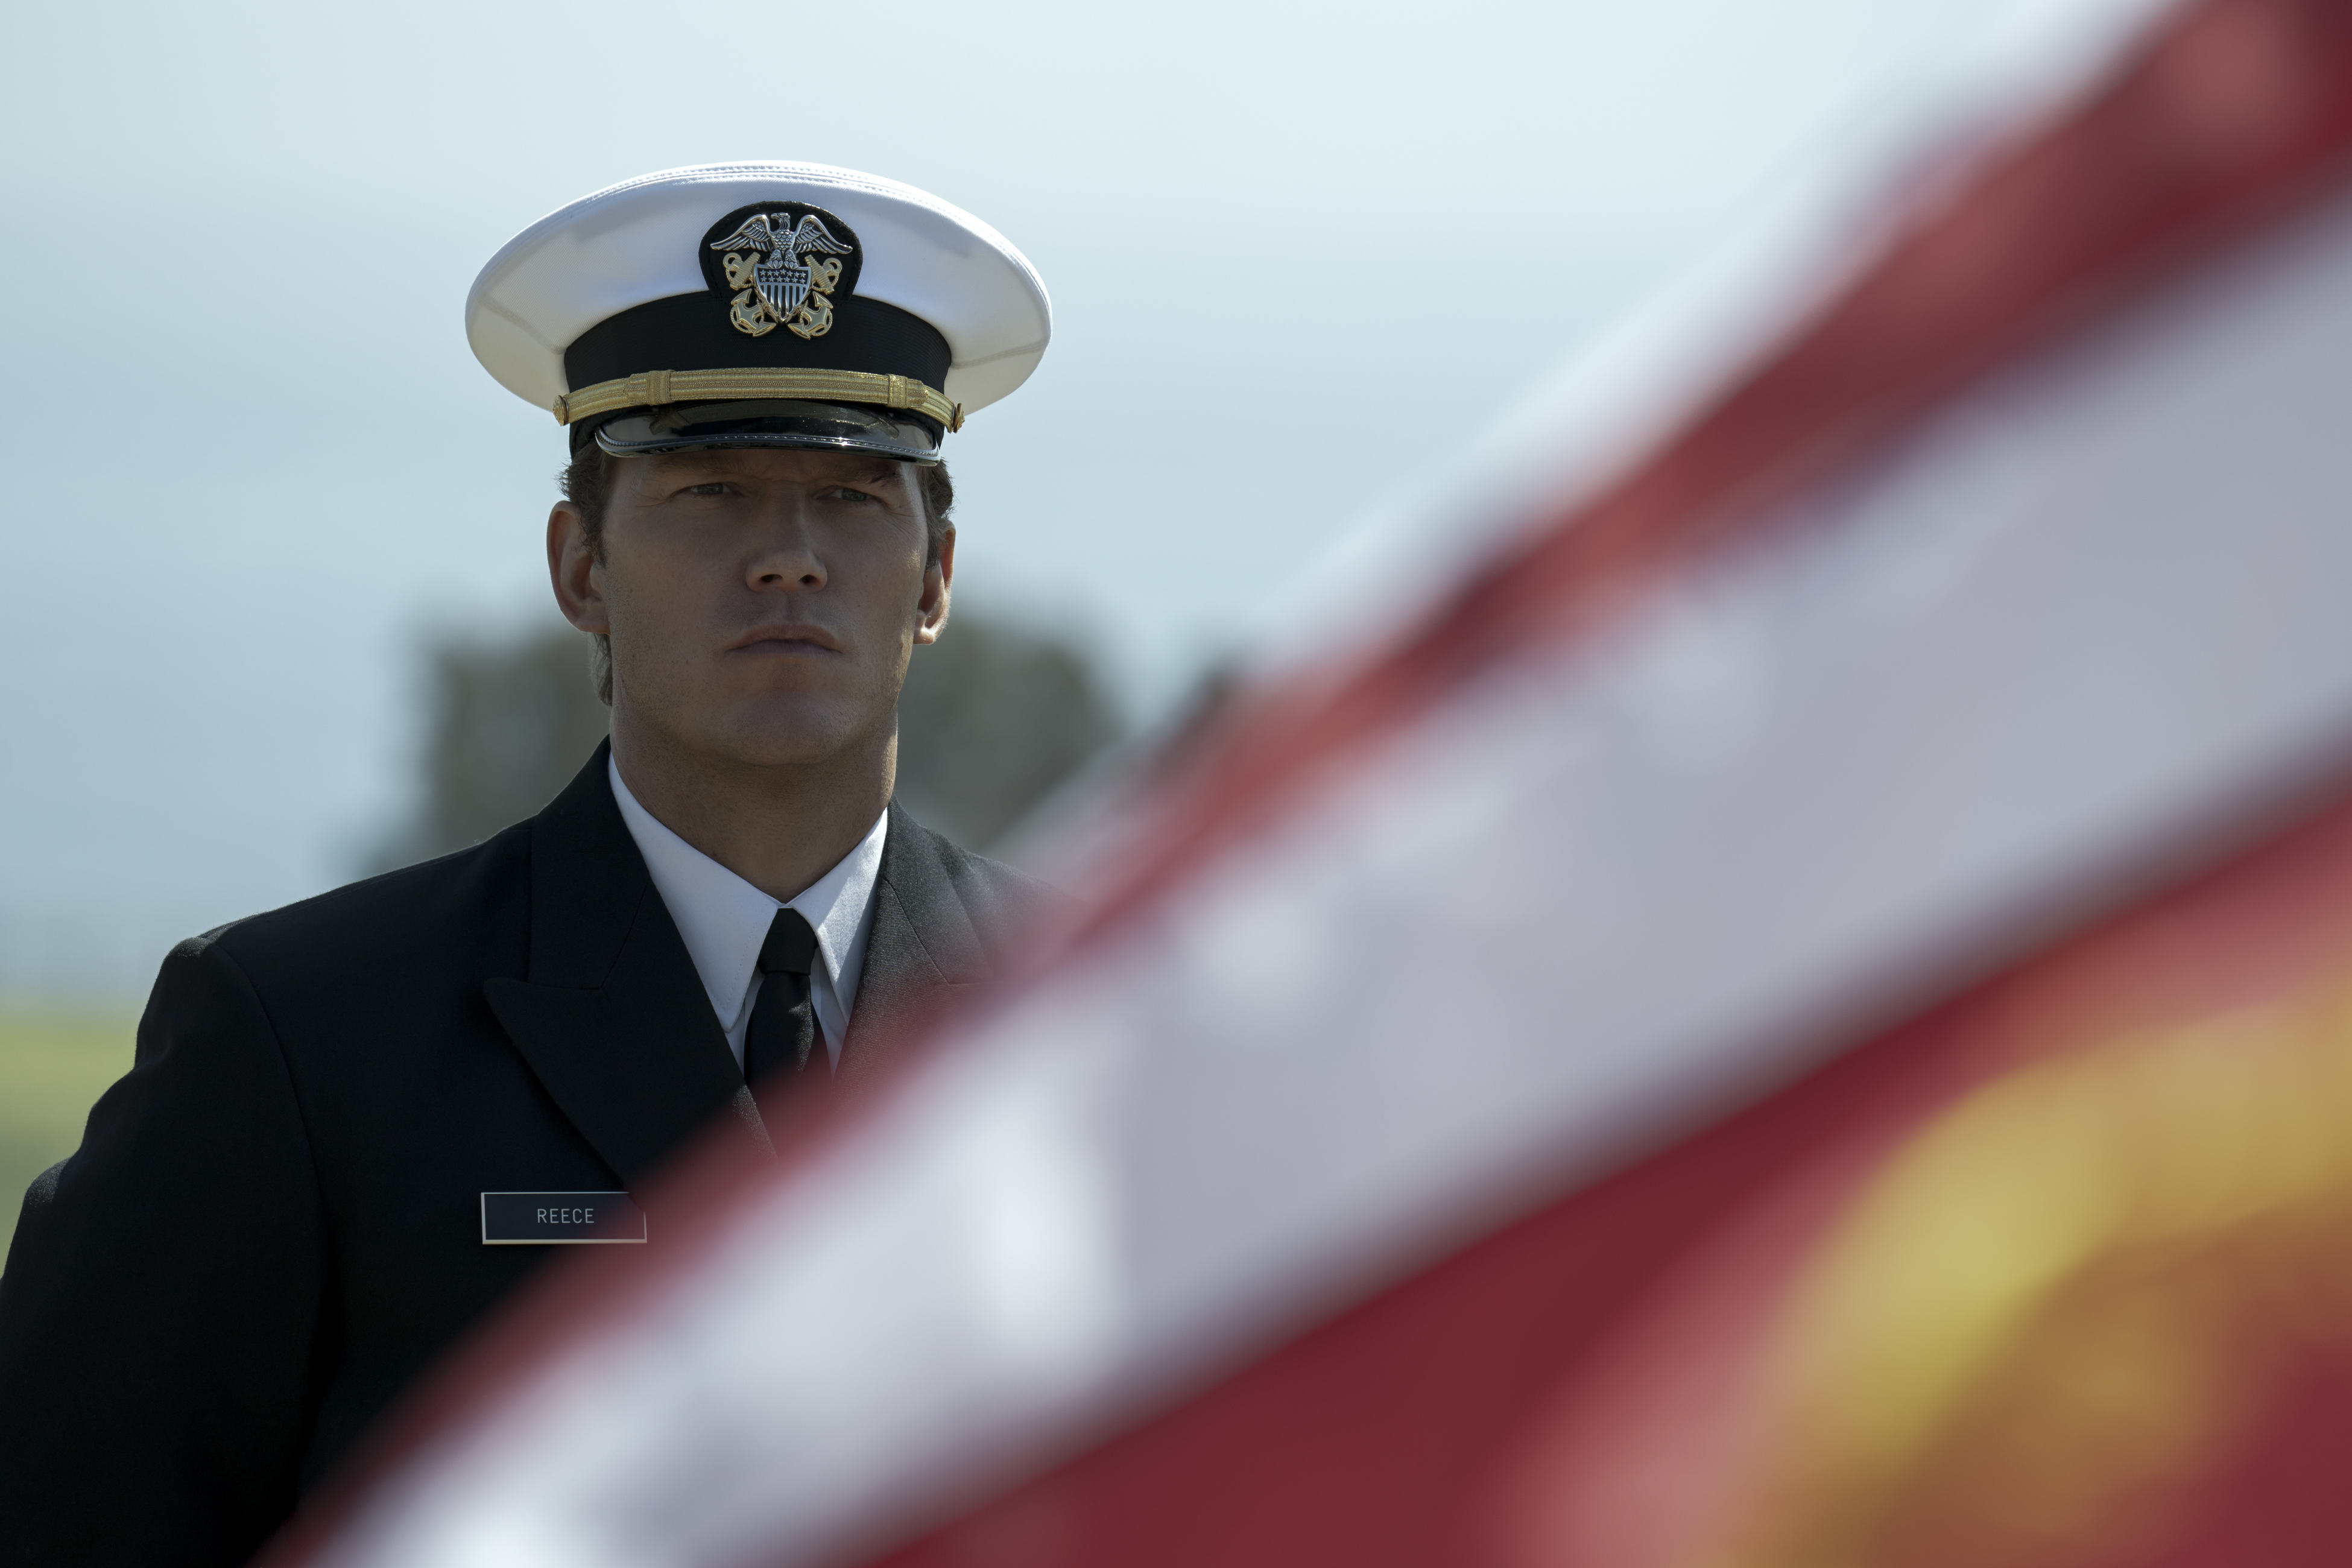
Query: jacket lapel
[
  {"x": 922, "y": 948},
  {"x": 612, "y": 1017}
]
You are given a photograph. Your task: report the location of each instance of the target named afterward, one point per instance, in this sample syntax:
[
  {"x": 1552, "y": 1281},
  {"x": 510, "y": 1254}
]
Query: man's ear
[
  {"x": 574, "y": 571},
  {"x": 931, "y": 609}
]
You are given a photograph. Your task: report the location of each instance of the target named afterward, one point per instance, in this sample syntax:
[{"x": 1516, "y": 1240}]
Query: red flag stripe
[
  {"x": 1453, "y": 1418},
  {"x": 2222, "y": 123}
]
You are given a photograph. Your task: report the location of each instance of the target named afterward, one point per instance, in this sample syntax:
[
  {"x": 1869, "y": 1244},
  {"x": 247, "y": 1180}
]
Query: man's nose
[{"x": 785, "y": 554}]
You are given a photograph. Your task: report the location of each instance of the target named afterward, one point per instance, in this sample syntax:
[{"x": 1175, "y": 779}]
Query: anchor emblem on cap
[{"x": 776, "y": 282}]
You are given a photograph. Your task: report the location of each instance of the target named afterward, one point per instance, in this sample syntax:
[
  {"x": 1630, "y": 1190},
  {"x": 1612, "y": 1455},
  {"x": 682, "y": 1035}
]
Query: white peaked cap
[{"x": 642, "y": 241}]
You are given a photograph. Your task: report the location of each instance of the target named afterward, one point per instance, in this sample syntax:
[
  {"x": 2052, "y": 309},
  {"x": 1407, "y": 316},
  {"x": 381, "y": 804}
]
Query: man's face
[{"x": 761, "y": 605}]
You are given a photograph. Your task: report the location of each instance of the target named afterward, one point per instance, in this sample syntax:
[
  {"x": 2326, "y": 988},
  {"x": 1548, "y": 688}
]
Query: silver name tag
[{"x": 539, "y": 1219}]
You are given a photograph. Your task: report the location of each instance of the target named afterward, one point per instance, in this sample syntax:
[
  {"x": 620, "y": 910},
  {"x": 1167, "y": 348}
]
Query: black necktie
[{"x": 780, "y": 1042}]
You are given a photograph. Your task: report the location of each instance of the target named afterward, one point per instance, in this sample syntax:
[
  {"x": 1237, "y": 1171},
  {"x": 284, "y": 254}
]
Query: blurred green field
[{"x": 53, "y": 1064}]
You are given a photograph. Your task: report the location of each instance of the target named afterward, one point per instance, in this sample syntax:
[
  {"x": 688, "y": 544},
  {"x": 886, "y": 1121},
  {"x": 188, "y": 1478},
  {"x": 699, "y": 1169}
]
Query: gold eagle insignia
[{"x": 777, "y": 284}]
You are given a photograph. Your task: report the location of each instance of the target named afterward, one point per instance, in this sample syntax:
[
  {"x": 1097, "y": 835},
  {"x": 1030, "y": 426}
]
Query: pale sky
[{"x": 1298, "y": 253}]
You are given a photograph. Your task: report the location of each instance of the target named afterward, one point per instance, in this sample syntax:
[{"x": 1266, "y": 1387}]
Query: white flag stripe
[
  {"x": 1657, "y": 365},
  {"x": 2093, "y": 605}
]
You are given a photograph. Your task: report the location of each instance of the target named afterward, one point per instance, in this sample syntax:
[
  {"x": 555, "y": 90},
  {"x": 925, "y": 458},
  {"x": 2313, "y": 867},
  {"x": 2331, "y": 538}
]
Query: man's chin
[{"x": 794, "y": 734}]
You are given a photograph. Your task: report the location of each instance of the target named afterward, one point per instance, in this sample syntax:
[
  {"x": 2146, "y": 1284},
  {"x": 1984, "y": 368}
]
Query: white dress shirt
[{"x": 725, "y": 919}]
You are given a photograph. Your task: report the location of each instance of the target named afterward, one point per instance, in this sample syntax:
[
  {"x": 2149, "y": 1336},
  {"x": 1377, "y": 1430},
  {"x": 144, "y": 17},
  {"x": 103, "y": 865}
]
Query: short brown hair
[{"x": 587, "y": 483}]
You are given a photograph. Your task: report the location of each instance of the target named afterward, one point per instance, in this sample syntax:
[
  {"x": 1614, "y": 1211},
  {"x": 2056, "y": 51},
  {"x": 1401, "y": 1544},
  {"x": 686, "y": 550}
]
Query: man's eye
[
  {"x": 715, "y": 488},
  {"x": 855, "y": 496}
]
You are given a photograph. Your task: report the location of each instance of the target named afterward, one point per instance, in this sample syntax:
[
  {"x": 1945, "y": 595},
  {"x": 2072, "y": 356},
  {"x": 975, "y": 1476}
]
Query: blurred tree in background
[
  {"x": 994, "y": 717},
  {"x": 507, "y": 725}
]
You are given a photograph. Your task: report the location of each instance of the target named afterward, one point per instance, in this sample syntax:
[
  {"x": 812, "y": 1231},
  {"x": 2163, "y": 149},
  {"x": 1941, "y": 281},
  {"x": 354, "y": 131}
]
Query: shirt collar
[{"x": 724, "y": 919}]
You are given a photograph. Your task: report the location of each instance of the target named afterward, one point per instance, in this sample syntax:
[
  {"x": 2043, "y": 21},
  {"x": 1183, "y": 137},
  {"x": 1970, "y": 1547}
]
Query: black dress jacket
[{"x": 274, "y": 1222}]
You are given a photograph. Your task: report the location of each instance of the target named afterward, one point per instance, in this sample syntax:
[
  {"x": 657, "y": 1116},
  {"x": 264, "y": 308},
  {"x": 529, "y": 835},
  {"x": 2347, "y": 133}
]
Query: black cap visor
[{"x": 803, "y": 426}]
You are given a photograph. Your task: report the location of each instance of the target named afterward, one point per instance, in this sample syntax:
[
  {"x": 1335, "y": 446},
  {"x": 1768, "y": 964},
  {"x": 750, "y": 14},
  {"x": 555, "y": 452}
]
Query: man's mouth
[{"x": 787, "y": 639}]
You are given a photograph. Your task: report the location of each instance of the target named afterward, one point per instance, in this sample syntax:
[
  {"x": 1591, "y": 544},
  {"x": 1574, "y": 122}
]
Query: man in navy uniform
[{"x": 355, "y": 1123}]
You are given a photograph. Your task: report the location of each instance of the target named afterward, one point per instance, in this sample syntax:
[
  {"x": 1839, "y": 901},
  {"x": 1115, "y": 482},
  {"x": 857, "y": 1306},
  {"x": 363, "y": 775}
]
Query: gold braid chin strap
[{"x": 652, "y": 388}]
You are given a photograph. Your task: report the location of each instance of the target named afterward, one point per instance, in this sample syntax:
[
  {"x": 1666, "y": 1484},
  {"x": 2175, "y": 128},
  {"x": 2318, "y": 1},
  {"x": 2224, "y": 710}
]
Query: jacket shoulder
[
  {"x": 1003, "y": 881},
  {"x": 999, "y": 898},
  {"x": 440, "y": 907}
]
